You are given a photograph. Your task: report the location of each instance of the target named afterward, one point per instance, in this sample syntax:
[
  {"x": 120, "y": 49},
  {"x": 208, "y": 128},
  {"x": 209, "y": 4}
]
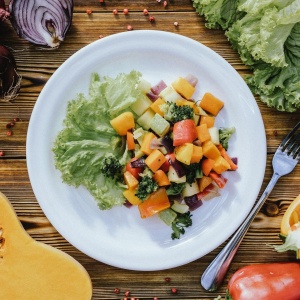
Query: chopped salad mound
[{"x": 150, "y": 146}]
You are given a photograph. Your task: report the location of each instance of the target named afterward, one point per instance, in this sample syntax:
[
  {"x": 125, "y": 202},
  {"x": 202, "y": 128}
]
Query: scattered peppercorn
[
  {"x": 101, "y": 36},
  {"x": 145, "y": 12},
  {"x": 2, "y": 153},
  {"x": 88, "y": 11},
  {"x": 125, "y": 11},
  {"x": 129, "y": 27},
  {"x": 101, "y": 1},
  {"x": 176, "y": 24},
  {"x": 9, "y": 132},
  {"x": 165, "y": 3},
  {"x": 167, "y": 279},
  {"x": 174, "y": 291},
  {"x": 151, "y": 19},
  {"x": 8, "y": 125},
  {"x": 16, "y": 119},
  {"x": 127, "y": 293},
  {"x": 115, "y": 11},
  {"x": 155, "y": 298},
  {"x": 275, "y": 132},
  {"x": 117, "y": 290}
]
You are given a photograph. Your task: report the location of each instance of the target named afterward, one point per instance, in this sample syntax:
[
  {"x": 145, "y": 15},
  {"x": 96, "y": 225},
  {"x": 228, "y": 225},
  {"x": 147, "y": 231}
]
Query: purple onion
[
  {"x": 138, "y": 163},
  {"x": 10, "y": 80},
  {"x": 178, "y": 167},
  {"x": 192, "y": 79},
  {"x": 42, "y": 22},
  {"x": 3, "y": 13},
  {"x": 152, "y": 96},
  {"x": 192, "y": 202},
  {"x": 167, "y": 142},
  {"x": 156, "y": 89}
]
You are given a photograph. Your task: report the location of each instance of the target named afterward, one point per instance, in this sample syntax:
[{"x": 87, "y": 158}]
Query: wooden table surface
[{"x": 37, "y": 65}]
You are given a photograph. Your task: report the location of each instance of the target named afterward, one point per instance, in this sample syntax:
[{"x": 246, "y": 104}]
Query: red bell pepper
[
  {"x": 184, "y": 132},
  {"x": 272, "y": 281}
]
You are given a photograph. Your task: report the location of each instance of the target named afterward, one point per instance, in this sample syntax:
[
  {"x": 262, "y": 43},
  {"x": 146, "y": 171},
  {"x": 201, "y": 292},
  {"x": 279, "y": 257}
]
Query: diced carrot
[
  {"x": 207, "y": 165},
  {"x": 226, "y": 156},
  {"x": 156, "y": 202},
  {"x": 134, "y": 171},
  {"x": 155, "y": 160},
  {"x": 145, "y": 147},
  {"x": 211, "y": 104},
  {"x": 218, "y": 179},
  {"x": 130, "y": 140},
  {"x": 130, "y": 180},
  {"x": 184, "y": 132},
  {"x": 203, "y": 133},
  {"x": 161, "y": 178},
  {"x": 208, "y": 120}
]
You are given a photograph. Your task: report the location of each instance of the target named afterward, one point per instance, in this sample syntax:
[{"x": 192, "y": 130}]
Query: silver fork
[{"x": 284, "y": 161}]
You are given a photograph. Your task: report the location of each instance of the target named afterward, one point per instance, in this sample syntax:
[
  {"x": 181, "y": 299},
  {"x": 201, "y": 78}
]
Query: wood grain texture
[{"x": 36, "y": 65}]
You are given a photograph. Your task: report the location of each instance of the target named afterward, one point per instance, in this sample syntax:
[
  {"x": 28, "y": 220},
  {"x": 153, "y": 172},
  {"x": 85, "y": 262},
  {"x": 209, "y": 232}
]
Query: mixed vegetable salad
[{"x": 151, "y": 146}]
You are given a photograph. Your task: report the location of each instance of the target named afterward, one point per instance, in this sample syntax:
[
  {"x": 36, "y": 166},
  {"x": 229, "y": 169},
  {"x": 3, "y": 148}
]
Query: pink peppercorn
[
  {"x": 129, "y": 27},
  {"x": 174, "y": 291},
  {"x": 151, "y": 19},
  {"x": 176, "y": 24},
  {"x": 125, "y": 11},
  {"x": 2, "y": 153},
  {"x": 127, "y": 293},
  {"x": 165, "y": 3},
  {"x": 115, "y": 11},
  {"x": 145, "y": 12},
  {"x": 9, "y": 132},
  {"x": 88, "y": 11},
  {"x": 167, "y": 279},
  {"x": 117, "y": 290}
]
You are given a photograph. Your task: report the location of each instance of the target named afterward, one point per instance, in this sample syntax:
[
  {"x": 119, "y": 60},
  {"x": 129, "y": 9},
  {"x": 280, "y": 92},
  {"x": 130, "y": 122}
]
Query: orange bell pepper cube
[
  {"x": 161, "y": 178},
  {"x": 131, "y": 197},
  {"x": 130, "y": 180},
  {"x": 145, "y": 147},
  {"x": 156, "y": 202},
  {"x": 155, "y": 160},
  {"x": 184, "y": 132}
]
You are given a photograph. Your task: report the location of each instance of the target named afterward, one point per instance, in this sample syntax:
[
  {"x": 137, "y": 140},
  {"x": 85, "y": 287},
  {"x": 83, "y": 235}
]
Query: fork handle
[{"x": 214, "y": 274}]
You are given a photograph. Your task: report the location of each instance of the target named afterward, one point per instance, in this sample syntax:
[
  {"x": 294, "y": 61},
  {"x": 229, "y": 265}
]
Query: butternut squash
[{"x": 30, "y": 269}]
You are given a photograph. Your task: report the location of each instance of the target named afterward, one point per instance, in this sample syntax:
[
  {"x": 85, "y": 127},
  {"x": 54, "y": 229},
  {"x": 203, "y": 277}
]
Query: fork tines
[{"x": 291, "y": 143}]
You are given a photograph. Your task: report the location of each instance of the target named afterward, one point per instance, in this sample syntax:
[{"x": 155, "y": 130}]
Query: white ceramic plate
[{"x": 119, "y": 237}]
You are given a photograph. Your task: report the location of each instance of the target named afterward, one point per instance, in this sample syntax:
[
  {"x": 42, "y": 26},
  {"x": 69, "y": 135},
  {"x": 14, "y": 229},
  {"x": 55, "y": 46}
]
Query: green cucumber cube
[{"x": 159, "y": 125}]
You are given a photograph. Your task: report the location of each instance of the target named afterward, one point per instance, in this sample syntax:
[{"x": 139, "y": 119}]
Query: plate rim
[{"x": 31, "y": 130}]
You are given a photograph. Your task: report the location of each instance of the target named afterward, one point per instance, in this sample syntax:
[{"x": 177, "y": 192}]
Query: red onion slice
[
  {"x": 10, "y": 80},
  {"x": 42, "y": 22},
  {"x": 3, "y": 13}
]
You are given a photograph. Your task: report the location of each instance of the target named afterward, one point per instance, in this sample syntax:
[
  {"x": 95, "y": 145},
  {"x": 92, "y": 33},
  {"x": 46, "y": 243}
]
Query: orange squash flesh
[{"x": 30, "y": 269}]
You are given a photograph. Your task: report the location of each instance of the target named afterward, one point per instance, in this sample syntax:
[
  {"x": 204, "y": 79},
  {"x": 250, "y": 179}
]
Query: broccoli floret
[
  {"x": 180, "y": 223},
  {"x": 145, "y": 187},
  {"x": 176, "y": 113},
  {"x": 175, "y": 188},
  {"x": 111, "y": 166},
  {"x": 193, "y": 172},
  {"x": 225, "y": 134}
]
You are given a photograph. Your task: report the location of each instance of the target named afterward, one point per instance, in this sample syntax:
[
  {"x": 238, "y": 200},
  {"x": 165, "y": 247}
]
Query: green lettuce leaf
[
  {"x": 87, "y": 136},
  {"x": 266, "y": 35}
]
